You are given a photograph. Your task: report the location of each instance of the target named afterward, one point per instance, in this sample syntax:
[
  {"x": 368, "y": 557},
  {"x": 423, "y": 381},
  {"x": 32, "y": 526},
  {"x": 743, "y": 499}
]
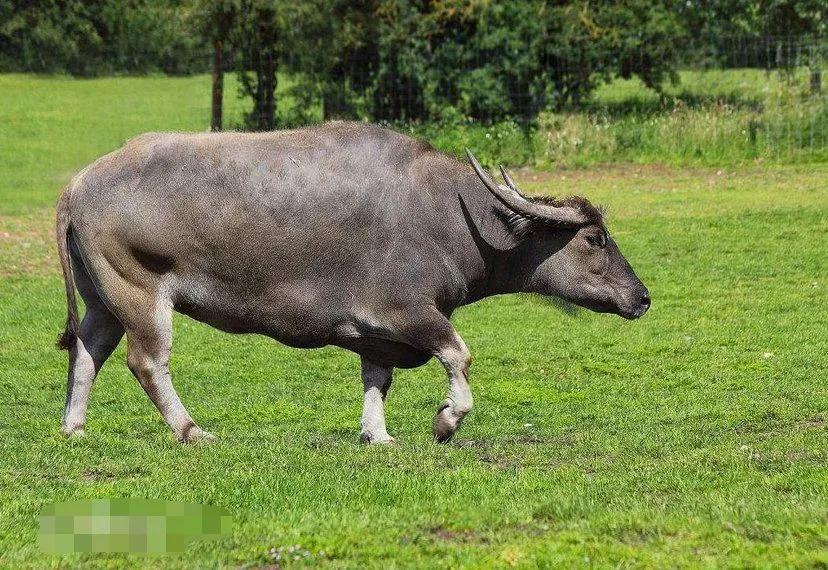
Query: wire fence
[
  {"x": 733, "y": 100},
  {"x": 489, "y": 87},
  {"x": 736, "y": 97}
]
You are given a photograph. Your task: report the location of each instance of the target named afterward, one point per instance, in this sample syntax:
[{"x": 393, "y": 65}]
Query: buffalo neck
[{"x": 496, "y": 266}]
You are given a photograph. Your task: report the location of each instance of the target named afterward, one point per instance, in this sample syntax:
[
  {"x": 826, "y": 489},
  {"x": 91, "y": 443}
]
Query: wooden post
[
  {"x": 816, "y": 73},
  {"x": 218, "y": 86}
]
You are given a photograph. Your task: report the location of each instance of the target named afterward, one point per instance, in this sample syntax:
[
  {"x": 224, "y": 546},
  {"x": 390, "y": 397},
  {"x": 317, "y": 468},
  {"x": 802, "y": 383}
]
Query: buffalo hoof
[
  {"x": 444, "y": 427},
  {"x": 73, "y": 433},
  {"x": 376, "y": 439},
  {"x": 446, "y": 422},
  {"x": 197, "y": 435}
]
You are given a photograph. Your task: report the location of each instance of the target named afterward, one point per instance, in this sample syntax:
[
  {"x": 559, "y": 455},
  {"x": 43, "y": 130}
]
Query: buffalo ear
[{"x": 520, "y": 226}]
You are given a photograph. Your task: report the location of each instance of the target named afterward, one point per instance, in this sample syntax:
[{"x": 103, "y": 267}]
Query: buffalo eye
[{"x": 598, "y": 240}]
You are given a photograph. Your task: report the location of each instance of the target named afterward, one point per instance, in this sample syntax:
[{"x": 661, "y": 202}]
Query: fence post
[
  {"x": 218, "y": 87},
  {"x": 816, "y": 73}
]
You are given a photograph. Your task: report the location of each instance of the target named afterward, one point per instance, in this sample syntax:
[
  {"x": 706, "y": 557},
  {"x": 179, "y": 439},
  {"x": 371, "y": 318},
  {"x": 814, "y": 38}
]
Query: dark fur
[{"x": 521, "y": 226}]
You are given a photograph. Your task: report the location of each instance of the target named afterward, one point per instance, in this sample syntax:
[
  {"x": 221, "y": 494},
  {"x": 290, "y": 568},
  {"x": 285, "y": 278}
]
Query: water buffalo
[{"x": 343, "y": 234}]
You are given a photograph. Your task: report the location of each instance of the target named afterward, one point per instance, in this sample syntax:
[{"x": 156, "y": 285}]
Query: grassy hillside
[{"x": 693, "y": 437}]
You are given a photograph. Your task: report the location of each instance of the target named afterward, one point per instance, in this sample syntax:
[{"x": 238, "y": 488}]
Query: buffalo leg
[
  {"x": 148, "y": 355},
  {"x": 456, "y": 359},
  {"x": 376, "y": 381},
  {"x": 98, "y": 335},
  {"x": 436, "y": 335}
]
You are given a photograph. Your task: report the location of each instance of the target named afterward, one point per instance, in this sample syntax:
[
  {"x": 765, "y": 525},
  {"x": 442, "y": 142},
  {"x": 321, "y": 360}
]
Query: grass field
[
  {"x": 708, "y": 118},
  {"x": 711, "y": 119},
  {"x": 697, "y": 436}
]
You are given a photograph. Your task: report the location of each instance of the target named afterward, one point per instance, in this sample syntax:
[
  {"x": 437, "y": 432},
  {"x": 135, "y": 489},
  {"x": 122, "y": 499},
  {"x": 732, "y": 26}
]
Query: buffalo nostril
[{"x": 645, "y": 299}]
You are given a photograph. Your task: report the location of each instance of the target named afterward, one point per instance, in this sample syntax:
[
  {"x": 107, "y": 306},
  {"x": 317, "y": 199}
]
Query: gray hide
[{"x": 344, "y": 234}]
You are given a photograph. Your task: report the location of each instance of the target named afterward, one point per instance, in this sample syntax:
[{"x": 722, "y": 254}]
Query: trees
[
  {"x": 215, "y": 20},
  {"x": 409, "y": 60},
  {"x": 256, "y": 37},
  {"x": 711, "y": 20},
  {"x": 402, "y": 60},
  {"x": 270, "y": 36},
  {"x": 96, "y": 37}
]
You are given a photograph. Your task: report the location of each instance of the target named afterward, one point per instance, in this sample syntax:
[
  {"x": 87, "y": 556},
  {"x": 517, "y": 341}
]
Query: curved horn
[
  {"x": 509, "y": 182},
  {"x": 511, "y": 197}
]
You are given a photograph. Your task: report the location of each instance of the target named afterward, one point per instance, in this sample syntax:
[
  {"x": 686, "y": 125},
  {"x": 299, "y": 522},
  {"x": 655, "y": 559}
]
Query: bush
[
  {"x": 505, "y": 142},
  {"x": 99, "y": 37}
]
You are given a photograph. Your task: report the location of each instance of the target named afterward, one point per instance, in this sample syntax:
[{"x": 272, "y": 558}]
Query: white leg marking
[
  {"x": 99, "y": 334},
  {"x": 456, "y": 359},
  {"x": 376, "y": 381},
  {"x": 79, "y": 385}
]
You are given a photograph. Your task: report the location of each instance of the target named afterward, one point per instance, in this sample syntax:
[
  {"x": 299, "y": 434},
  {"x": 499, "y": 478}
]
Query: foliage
[
  {"x": 96, "y": 37},
  {"x": 713, "y": 20},
  {"x": 410, "y": 60},
  {"x": 712, "y": 117},
  {"x": 705, "y": 118},
  {"x": 693, "y": 437},
  {"x": 215, "y": 19},
  {"x": 489, "y": 60},
  {"x": 257, "y": 36}
]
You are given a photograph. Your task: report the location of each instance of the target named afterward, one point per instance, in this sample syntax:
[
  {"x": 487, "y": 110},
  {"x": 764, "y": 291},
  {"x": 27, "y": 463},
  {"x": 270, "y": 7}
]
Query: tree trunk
[
  {"x": 264, "y": 118},
  {"x": 268, "y": 82},
  {"x": 334, "y": 100},
  {"x": 815, "y": 64},
  {"x": 218, "y": 87}
]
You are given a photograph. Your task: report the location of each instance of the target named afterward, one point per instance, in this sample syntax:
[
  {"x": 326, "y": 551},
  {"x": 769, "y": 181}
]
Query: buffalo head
[{"x": 566, "y": 251}]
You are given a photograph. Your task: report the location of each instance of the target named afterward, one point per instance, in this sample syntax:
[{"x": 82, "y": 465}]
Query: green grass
[
  {"x": 50, "y": 127},
  {"x": 739, "y": 87},
  {"x": 53, "y": 126},
  {"x": 708, "y": 118},
  {"x": 693, "y": 437}
]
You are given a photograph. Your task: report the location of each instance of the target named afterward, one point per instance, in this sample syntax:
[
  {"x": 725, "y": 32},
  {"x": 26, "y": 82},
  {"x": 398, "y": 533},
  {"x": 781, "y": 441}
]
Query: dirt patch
[
  {"x": 561, "y": 439},
  {"x": 811, "y": 423},
  {"x": 635, "y": 536},
  {"x": 565, "y": 439},
  {"x": 770, "y": 425},
  {"x": 97, "y": 475},
  {"x": 501, "y": 461},
  {"x": 755, "y": 532},
  {"x": 487, "y": 536},
  {"x": 801, "y": 455},
  {"x": 464, "y": 536},
  {"x": 610, "y": 172}
]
